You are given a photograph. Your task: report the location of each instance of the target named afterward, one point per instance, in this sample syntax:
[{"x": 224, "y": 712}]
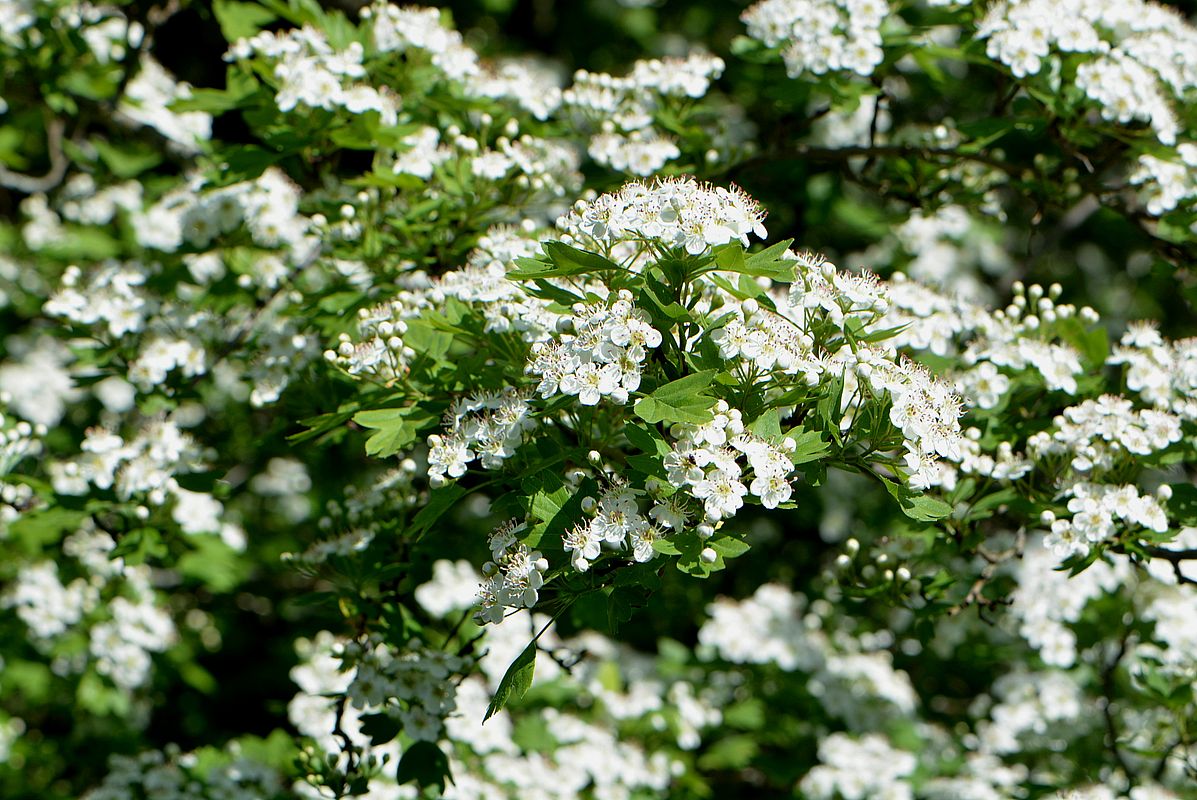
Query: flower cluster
[
  {"x": 819, "y": 36},
  {"x": 1099, "y": 434},
  {"x": 147, "y": 101},
  {"x": 678, "y": 212},
  {"x": 1140, "y": 53},
  {"x": 114, "y": 603},
  {"x": 185, "y": 776},
  {"x": 705, "y": 462},
  {"x": 603, "y": 356},
  {"x": 855, "y": 769},
  {"x": 1163, "y": 373},
  {"x": 414, "y": 686},
  {"x": 617, "y": 522},
  {"x": 312, "y": 73},
  {"x": 1167, "y": 182},
  {"x": 629, "y": 141},
  {"x": 267, "y": 207},
  {"x": 1046, "y": 602},
  {"x": 488, "y": 427},
  {"x": 143, "y": 466},
  {"x": 1096, "y": 509},
  {"x": 512, "y": 579}
]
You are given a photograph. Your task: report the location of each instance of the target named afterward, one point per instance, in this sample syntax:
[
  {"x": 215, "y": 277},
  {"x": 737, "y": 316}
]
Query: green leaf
[
  {"x": 439, "y": 501},
  {"x": 136, "y": 546},
  {"x": 730, "y": 256},
  {"x": 920, "y": 507},
  {"x": 238, "y": 20},
  {"x": 924, "y": 508},
  {"x": 547, "y": 291},
  {"x": 770, "y": 262},
  {"x": 128, "y": 160},
  {"x": 767, "y": 425},
  {"x": 766, "y": 264},
  {"x": 381, "y": 728},
  {"x": 645, "y": 439},
  {"x": 319, "y": 426},
  {"x": 728, "y": 546},
  {"x": 40, "y": 528},
  {"x": 212, "y": 562},
  {"x": 809, "y": 446},
  {"x": 1182, "y": 505},
  {"x": 730, "y": 753},
  {"x": 425, "y": 764},
  {"x": 395, "y": 428},
  {"x": 682, "y": 400},
  {"x": 516, "y": 681},
  {"x": 565, "y": 260}
]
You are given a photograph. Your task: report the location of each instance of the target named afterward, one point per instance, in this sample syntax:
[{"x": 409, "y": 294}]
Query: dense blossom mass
[{"x": 471, "y": 427}]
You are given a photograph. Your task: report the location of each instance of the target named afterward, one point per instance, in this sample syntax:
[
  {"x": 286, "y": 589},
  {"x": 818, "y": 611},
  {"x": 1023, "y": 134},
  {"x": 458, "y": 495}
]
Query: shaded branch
[{"x": 31, "y": 184}]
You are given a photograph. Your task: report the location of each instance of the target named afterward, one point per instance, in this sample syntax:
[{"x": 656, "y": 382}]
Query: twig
[
  {"x": 1107, "y": 683},
  {"x": 32, "y": 184}
]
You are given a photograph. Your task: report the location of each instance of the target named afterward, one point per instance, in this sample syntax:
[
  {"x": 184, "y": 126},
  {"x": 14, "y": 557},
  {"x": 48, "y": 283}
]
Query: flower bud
[{"x": 708, "y": 555}]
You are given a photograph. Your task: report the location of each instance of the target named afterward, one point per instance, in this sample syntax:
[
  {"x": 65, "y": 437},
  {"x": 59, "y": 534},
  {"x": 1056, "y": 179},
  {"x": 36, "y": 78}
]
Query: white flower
[{"x": 722, "y": 494}]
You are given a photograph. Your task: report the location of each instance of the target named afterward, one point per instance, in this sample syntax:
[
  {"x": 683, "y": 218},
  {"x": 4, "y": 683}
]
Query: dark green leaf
[
  {"x": 682, "y": 400},
  {"x": 439, "y": 501},
  {"x": 516, "y": 681},
  {"x": 395, "y": 428},
  {"x": 425, "y": 764},
  {"x": 381, "y": 728},
  {"x": 238, "y": 20}
]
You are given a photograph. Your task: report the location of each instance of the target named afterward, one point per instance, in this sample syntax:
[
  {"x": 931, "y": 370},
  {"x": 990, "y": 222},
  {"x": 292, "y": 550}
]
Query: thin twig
[{"x": 32, "y": 184}]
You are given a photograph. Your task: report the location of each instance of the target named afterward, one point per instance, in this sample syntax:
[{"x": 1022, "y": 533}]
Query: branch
[
  {"x": 30, "y": 184},
  {"x": 1175, "y": 556},
  {"x": 813, "y": 153},
  {"x": 1107, "y": 683}
]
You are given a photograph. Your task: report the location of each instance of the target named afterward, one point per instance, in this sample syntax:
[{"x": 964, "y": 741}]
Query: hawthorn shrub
[{"x": 614, "y": 400}]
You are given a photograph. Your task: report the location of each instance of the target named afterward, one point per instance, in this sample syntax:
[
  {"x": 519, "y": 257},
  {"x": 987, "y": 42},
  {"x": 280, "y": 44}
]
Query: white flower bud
[
  {"x": 1164, "y": 492},
  {"x": 852, "y": 546},
  {"x": 843, "y": 561},
  {"x": 589, "y": 504},
  {"x": 705, "y": 530},
  {"x": 1047, "y": 517},
  {"x": 708, "y": 555},
  {"x": 902, "y": 574},
  {"x": 542, "y": 564}
]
